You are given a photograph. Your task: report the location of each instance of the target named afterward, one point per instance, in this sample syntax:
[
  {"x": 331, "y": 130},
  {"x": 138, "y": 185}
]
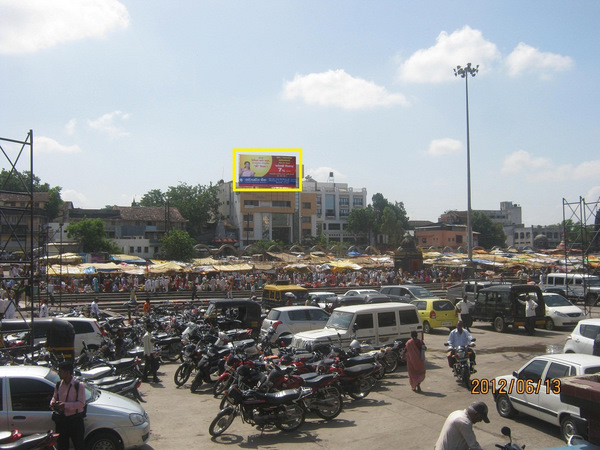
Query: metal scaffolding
[{"x": 585, "y": 216}]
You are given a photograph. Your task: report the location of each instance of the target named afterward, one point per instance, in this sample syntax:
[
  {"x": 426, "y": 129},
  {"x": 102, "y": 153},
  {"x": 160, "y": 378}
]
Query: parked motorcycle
[
  {"x": 463, "y": 368},
  {"x": 13, "y": 440},
  {"x": 283, "y": 409},
  {"x": 510, "y": 445},
  {"x": 191, "y": 355}
]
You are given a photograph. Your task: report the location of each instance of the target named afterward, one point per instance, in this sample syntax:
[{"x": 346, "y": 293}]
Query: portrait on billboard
[{"x": 267, "y": 169}]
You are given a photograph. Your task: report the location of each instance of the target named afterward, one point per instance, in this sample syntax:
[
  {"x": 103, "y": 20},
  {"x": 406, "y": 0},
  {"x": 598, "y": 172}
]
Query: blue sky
[{"x": 128, "y": 96}]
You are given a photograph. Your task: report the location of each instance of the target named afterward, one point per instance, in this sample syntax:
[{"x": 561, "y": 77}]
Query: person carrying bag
[{"x": 69, "y": 409}]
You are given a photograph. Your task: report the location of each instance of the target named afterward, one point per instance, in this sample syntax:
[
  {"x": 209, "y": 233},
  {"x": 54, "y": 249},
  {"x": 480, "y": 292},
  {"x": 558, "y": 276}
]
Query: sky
[{"x": 128, "y": 96}]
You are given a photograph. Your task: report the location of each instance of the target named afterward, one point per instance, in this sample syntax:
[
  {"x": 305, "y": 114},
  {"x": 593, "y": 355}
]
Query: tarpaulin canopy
[
  {"x": 165, "y": 267},
  {"x": 71, "y": 271},
  {"x": 100, "y": 267},
  {"x": 299, "y": 268},
  {"x": 244, "y": 267},
  {"x": 129, "y": 259},
  {"x": 65, "y": 258}
]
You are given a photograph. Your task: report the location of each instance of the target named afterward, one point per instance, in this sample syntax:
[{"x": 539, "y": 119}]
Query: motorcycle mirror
[
  {"x": 355, "y": 327},
  {"x": 473, "y": 339},
  {"x": 505, "y": 431}
]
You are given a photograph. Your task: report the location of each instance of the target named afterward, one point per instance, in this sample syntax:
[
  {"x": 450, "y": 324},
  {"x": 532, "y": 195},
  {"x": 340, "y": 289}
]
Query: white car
[
  {"x": 289, "y": 320},
  {"x": 582, "y": 338},
  {"x": 534, "y": 390},
  {"x": 112, "y": 422},
  {"x": 353, "y": 292},
  {"x": 560, "y": 312}
]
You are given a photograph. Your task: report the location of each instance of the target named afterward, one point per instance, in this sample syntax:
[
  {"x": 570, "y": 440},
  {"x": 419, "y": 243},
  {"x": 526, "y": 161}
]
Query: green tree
[
  {"x": 491, "y": 233},
  {"x": 198, "y": 204},
  {"x": 177, "y": 245},
  {"x": 91, "y": 235},
  {"x": 362, "y": 223},
  {"x": 391, "y": 226}
]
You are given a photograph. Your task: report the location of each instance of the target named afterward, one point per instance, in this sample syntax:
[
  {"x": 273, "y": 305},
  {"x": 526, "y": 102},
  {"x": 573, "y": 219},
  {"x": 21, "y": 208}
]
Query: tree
[
  {"x": 491, "y": 233},
  {"x": 362, "y": 223},
  {"x": 391, "y": 226},
  {"x": 198, "y": 204},
  {"x": 177, "y": 245},
  {"x": 90, "y": 233}
]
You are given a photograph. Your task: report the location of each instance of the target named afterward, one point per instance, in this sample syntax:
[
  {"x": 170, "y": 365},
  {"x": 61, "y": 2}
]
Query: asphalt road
[{"x": 392, "y": 416}]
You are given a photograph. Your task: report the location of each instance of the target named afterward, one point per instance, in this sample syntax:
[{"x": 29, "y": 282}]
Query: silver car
[{"x": 112, "y": 421}]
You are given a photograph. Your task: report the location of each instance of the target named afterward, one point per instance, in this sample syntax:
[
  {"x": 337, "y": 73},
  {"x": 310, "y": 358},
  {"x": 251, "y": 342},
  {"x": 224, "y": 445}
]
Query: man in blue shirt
[{"x": 459, "y": 337}]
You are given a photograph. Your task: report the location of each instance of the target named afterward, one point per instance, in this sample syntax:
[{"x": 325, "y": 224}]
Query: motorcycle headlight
[
  {"x": 136, "y": 419},
  {"x": 461, "y": 354}
]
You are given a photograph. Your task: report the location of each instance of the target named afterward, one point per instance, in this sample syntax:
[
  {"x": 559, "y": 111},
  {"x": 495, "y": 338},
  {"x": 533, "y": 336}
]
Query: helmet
[{"x": 355, "y": 345}]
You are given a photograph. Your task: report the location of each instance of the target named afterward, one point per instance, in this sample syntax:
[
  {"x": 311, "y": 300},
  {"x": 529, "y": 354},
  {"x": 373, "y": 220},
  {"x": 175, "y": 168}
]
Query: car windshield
[
  {"x": 420, "y": 292},
  {"x": 556, "y": 300},
  {"x": 340, "y": 320}
]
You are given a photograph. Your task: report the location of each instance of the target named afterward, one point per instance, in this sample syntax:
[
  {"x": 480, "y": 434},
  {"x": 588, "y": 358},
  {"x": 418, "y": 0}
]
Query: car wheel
[
  {"x": 499, "y": 324},
  {"x": 550, "y": 324},
  {"x": 505, "y": 407},
  {"x": 426, "y": 327},
  {"x": 103, "y": 441},
  {"x": 567, "y": 428}
]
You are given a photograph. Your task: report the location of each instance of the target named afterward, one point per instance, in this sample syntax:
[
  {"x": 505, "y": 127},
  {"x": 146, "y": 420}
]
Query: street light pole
[{"x": 464, "y": 72}]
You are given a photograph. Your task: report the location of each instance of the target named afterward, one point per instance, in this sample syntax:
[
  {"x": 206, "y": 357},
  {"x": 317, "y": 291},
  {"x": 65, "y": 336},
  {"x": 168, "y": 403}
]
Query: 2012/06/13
[{"x": 517, "y": 386}]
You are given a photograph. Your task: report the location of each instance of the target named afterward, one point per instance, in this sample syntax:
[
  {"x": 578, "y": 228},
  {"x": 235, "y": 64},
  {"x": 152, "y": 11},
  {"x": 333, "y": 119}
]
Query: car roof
[
  {"x": 293, "y": 308},
  {"x": 374, "y": 306},
  {"x": 589, "y": 322},
  {"x": 581, "y": 359},
  {"x": 20, "y": 371},
  {"x": 430, "y": 300}
]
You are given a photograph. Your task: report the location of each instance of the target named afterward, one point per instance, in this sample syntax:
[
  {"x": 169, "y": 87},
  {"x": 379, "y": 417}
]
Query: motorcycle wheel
[
  {"x": 225, "y": 402},
  {"x": 182, "y": 374},
  {"x": 221, "y": 386},
  {"x": 364, "y": 387},
  {"x": 332, "y": 403},
  {"x": 380, "y": 373},
  {"x": 173, "y": 352},
  {"x": 197, "y": 382},
  {"x": 466, "y": 377},
  {"x": 221, "y": 422},
  {"x": 391, "y": 362},
  {"x": 294, "y": 418}
]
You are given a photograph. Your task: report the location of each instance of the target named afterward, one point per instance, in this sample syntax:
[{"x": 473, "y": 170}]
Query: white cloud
[
  {"x": 79, "y": 200},
  {"x": 445, "y": 146},
  {"x": 337, "y": 88},
  {"x": 321, "y": 174},
  {"x": 31, "y": 25},
  {"x": 107, "y": 124},
  {"x": 593, "y": 195},
  {"x": 70, "y": 127},
  {"x": 525, "y": 58},
  {"x": 539, "y": 169},
  {"x": 43, "y": 144},
  {"x": 435, "y": 64}
]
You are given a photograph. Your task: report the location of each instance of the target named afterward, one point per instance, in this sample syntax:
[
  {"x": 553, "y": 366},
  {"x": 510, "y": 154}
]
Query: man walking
[{"x": 68, "y": 404}]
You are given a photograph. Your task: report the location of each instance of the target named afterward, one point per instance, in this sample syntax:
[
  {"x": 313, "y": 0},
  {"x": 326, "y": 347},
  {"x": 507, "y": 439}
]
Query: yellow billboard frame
[{"x": 267, "y": 151}]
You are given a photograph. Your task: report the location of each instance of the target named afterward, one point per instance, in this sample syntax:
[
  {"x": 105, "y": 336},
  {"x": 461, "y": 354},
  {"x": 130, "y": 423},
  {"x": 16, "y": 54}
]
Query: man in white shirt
[
  {"x": 457, "y": 432},
  {"x": 530, "y": 307},
  {"x": 464, "y": 309},
  {"x": 43, "y": 308},
  {"x": 459, "y": 337},
  {"x": 94, "y": 310}
]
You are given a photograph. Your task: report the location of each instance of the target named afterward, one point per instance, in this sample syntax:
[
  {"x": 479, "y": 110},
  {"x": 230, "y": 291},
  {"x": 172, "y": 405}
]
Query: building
[
  {"x": 523, "y": 236},
  {"x": 18, "y": 218},
  {"x": 335, "y": 202},
  {"x": 444, "y": 236},
  {"x": 136, "y": 229},
  {"x": 277, "y": 216},
  {"x": 270, "y": 216}
]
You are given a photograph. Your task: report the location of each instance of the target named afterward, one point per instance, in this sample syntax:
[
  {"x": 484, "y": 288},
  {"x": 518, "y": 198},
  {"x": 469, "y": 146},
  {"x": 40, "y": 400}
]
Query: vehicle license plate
[{"x": 446, "y": 324}]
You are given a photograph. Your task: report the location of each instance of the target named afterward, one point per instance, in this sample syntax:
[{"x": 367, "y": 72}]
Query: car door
[
  {"x": 366, "y": 328},
  {"x": 585, "y": 342},
  {"x": 528, "y": 376},
  {"x": 549, "y": 393},
  {"x": 29, "y": 405},
  {"x": 387, "y": 327}
]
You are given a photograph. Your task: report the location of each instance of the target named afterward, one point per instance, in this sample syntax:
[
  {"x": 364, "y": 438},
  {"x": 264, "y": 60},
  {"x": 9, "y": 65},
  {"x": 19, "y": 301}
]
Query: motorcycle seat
[
  {"x": 356, "y": 360},
  {"x": 168, "y": 340},
  {"x": 122, "y": 363},
  {"x": 309, "y": 376},
  {"x": 361, "y": 369},
  {"x": 318, "y": 380},
  {"x": 281, "y": 397},
  {"x": 95, "y": 372}
]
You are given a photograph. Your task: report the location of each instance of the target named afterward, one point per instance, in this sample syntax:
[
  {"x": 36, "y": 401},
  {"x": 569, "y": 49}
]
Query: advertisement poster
[{"x": 263, "y": 170}]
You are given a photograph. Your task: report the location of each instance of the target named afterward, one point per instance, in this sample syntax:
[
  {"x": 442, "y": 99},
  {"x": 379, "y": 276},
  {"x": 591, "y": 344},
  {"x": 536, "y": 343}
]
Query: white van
[
  {"x": 574, "y": 286},
  {"x": 376, "y": 324}
]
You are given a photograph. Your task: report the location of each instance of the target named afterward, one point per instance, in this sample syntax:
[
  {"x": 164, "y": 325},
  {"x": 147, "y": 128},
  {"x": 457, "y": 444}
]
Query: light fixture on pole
[{"x": 464, "y": 72}]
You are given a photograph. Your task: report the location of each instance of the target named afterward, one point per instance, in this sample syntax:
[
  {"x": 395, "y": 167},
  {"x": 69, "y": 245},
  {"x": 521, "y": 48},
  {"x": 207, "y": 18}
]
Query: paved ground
[{"x": 392, "y": 416}]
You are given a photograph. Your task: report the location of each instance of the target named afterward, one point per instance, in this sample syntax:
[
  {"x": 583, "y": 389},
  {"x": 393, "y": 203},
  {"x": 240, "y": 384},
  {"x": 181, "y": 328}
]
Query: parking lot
[{"x": 392, "y": 416}]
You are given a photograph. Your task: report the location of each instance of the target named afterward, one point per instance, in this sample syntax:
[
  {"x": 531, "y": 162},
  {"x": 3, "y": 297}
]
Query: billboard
[{"x": 264, "y": 169}]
